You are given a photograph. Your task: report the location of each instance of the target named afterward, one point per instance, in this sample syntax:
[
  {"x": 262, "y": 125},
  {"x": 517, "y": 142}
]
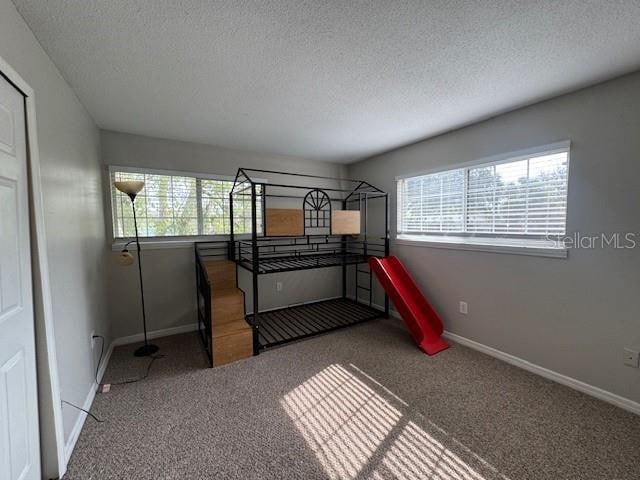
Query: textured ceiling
[{"x": 330, "y": 80}]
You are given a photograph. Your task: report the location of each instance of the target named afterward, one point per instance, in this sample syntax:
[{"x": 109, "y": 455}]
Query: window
[
  {"x": 175, "y": 204},
  {"x": 432, "y": 203},
  {"x": 523, "y": 196}
]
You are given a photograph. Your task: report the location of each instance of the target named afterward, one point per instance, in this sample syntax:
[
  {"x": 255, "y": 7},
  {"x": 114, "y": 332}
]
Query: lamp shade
[
  {"x": 130, "y": 187},
  {"x": 125, "y": 258}
]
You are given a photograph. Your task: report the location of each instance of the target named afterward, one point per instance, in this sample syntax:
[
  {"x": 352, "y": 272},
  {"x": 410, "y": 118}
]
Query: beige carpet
[{"x": 359, "y": 403}]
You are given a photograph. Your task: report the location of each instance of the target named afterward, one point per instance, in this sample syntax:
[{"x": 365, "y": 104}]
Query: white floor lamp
[{"x": 131, "y": 189}]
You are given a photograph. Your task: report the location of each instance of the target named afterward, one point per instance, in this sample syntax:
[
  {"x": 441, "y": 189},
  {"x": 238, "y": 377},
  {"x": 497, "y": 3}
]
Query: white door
[{"x": 19, "y": 444}]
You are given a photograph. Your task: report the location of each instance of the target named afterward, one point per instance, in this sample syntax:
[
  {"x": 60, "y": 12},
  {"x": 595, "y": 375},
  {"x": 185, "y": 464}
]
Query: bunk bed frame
[{"x": 318, "y": 247}]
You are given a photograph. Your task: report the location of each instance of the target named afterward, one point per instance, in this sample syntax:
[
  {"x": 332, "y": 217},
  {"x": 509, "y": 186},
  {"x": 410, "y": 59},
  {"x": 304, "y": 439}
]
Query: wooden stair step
[
  {"x": 230, "y": 328},
  {"x": 227, "y": 305},
  {"x": 221, "y": 273},
  {"x": 234, "y": 344}
]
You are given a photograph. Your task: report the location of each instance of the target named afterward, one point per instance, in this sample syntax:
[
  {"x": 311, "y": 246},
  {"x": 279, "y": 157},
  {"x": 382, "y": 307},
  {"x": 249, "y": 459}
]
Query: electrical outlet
[
  {"x": 464, "y": 308},
  {"x": 92, "y": 340},
  {"x": 278, "y": 286},
  {"x": 631, "y": 357}
]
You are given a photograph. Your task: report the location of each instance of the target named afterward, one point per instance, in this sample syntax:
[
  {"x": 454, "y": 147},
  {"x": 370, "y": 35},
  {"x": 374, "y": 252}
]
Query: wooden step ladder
[{"x": 231, "y": 335}]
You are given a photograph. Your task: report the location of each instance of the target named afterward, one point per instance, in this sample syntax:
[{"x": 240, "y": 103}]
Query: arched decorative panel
[{"x": 317, "y": 211}]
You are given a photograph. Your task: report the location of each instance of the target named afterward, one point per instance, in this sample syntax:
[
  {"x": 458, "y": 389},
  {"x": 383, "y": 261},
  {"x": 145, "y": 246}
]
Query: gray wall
[
  {"x": 74, "y": 212},
  {"x": 169, "y": 273},
  {"x": 571, "y": 315}
]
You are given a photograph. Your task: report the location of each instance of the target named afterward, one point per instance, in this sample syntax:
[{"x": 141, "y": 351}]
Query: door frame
[{"x": 49, "y": 401}]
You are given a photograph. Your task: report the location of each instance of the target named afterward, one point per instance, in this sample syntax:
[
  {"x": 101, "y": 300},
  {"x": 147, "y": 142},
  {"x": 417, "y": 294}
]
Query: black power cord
[
  {"x": 124, "y": 382},
  {"x": 146, "y": 374},
  {"x": 85, "y": 411}
]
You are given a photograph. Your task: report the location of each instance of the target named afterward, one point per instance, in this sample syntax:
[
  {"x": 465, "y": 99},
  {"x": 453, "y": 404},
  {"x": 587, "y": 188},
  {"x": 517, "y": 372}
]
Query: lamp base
[{"x": 146, "y": 350}]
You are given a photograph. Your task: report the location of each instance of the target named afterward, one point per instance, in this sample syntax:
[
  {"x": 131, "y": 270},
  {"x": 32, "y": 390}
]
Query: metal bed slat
[
  {"x": 288, "y": 330},
  {"x": 358, "y": 312},
  {"x": 328, "y": 315},
  {"x": 354, "y": 306},
  {"x": 354, "y": 310},
  {"x": 265, "y": 332},
  {"x": 339, "y": 313},
  {"x": 305, "y": 323},
  {"x": 324, "y": 315},
  {"x": 275, "y": 330},
  {"x": 262, "y": 337},
  {"x": 324, "y": 323},
  {"x": 293, "y": 319},
  {"x": 294, "y": 327},
  {"x": 319, "y": 325}
]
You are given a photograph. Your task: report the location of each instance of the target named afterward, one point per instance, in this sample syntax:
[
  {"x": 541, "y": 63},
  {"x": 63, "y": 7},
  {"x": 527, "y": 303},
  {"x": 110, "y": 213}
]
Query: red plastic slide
[{"x": 421, "y": 319}]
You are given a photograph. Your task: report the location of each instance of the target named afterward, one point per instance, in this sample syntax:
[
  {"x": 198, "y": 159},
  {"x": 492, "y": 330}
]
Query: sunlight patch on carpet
[
  {"x": 352, "y": 428},
  {"x": 341, "y": 418}
]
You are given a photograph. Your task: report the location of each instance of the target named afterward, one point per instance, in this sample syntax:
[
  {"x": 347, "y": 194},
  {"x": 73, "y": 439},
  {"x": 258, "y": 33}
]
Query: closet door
[{"x": 19, "y": 444}]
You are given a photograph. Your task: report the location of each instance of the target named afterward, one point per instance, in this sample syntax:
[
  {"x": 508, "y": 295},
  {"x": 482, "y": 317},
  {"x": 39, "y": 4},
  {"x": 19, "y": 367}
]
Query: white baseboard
[
  {"x": 164, "y": 332},
  {"x": 570, "y": 382},
  {"x": 599, "y": 393},
  {"x": 105, "y": 361},
  {"x": 88, "y": 401}
]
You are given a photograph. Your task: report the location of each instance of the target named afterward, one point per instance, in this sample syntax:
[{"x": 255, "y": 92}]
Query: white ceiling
[{"x": 329, "y": 80}]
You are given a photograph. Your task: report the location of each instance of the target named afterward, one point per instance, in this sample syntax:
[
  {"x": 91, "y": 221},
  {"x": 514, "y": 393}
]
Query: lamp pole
[{"x": 146, "y": 349}]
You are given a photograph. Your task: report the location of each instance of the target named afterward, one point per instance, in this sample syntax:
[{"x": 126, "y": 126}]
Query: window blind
[
  {"x": 432, "y": 203},
  {"x": 518, "y": 197}
]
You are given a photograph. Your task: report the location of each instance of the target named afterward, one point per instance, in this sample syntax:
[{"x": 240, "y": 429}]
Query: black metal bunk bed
[{"x": 261, "y": 254}]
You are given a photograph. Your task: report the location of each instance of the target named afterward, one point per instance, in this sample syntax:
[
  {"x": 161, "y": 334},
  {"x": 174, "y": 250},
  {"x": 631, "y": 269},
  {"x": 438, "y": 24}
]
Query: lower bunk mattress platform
[{"x": 284, "y": 325}]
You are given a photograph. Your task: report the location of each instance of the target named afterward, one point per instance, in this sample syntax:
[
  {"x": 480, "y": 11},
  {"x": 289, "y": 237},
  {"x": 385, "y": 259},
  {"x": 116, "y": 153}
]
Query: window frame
[
  {"x": 519, "y": 243},
  {"x": 168, "y": 241}
]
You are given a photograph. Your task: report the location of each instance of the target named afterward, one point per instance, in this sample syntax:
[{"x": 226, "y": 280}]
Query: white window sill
[
  {"x": 162, "y": 243},
  {"x": 537, "y": 248}
]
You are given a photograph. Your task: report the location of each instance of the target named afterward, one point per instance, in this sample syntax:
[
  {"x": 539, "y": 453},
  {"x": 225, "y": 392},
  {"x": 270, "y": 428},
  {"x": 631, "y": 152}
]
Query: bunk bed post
[
  {"x": 356, "y": 267},
  {"x": 366, "y": 209},
  {"x": 232, "y": 250},
  {"x": 386, "y": 246},
  {"x": 263, "y": 200},
  {"x": 365, "y": 246},
  {"x": 255, "y": 267},
  {"x": 343, "y": 250}
]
